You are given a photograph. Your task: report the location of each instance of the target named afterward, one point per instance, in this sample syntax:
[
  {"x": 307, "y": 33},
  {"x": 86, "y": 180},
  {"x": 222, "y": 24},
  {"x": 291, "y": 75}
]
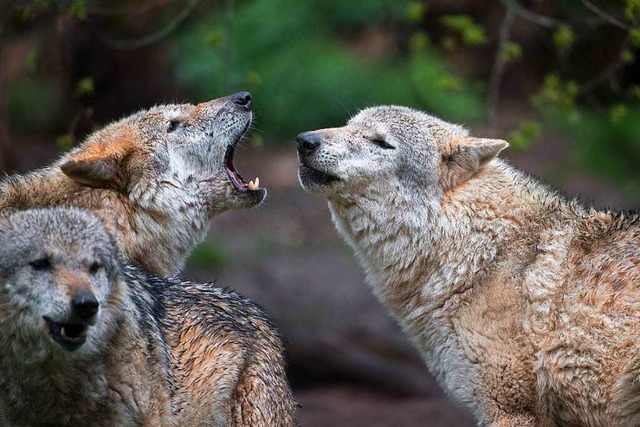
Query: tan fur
[
  {"x": 160, "y": 173},
  {"x": 158, "y": 352},
  {"x": 524, "y": 305}
]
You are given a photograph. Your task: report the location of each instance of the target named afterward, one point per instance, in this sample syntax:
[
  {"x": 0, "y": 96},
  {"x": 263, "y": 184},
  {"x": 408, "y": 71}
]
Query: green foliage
[
  {"x": 511, "y": 52},
  {"x": 556, "y": 95},
  {"x": 419, "y": 42},
  {"x": 525, "y": 135},
  {"x": 36, "y": 104},
  {"x": 472, "y": 33},
  {"x": 415, "y": 11},
  {"x": 78, "y": 10},
  {"x": 303, "y": 77},
  {"x": 85, "y": 87},
  {"x": 634, "y": 36},
  {"x": 617, "y": 113},
  {"x": 209, "y": 255},
  {"x": 627, "y": 56},
  {"x": 564, "y": 38},
  {"x": 64, "y": 142},
  {"x": 606, "y": 149},
  {"x": 32, "y": 60},
  {"x": 632, "y": 10}
]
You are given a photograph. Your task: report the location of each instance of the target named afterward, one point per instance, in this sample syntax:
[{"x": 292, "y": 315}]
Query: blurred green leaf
[
  {"x": 449, "y": 84},
  {"x": 32, "y": 60},
  {"x": 511, "y": 52},
  {"x": 634, "y": 36},
  {"x": 527, "y": 132},
  {"x": 617, "y": 113},
  {"x": 64, "y": 142},
  {"x": 472, "y": 33},
  {"x": 627, "y": 56},
  {"x": 556, "y": 94},
  {"x": 26, "y": 13},
  {"x": 78, "y": 10},
  {"x": 415, "y": 11},
  {"x": 213, "y": 37},
  {"x": 632, "y": 9},
  {"x": 563, "y": 38},
  {"x": 85, "y": 86},
  {"x": 419, "y": 42}
]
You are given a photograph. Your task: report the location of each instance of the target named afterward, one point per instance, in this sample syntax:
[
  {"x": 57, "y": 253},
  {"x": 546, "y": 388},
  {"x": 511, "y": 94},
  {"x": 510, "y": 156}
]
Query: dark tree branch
[
  {"x": 499, "y": 63},
  {"x": 607, "y": 74},
  {"x": 154, "y": 37},
  {"x": 518, "y": 9},
  {"x": 605, "y": 16}
]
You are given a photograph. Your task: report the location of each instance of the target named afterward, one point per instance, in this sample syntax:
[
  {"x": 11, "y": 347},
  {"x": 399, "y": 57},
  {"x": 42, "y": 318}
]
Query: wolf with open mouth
[
  {"x": 88, "y": 341},
  {"x": 163, "y": 173}
]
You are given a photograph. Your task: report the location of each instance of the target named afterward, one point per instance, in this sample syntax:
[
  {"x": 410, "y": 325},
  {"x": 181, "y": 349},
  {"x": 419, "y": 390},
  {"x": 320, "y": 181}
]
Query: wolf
[
  {"x": 163, "y": 172},
  {"x": 523, "y": 304},
  {"x": 89, "y": 341}
]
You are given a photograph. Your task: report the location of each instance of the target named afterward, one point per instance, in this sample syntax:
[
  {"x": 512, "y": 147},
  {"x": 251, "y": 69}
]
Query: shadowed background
[{"x": 559, "y": 80}]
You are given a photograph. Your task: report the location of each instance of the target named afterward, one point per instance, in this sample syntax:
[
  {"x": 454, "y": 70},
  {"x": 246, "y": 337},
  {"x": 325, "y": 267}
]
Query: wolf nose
[
  {"x": 243, "y": 100},
  {"x": 84, "y": 305},
  {"x": 308, "y": 142}
]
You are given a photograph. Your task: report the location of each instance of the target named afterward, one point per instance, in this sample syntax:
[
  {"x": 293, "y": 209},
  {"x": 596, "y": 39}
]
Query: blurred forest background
[{"x": 559, "y": 79}]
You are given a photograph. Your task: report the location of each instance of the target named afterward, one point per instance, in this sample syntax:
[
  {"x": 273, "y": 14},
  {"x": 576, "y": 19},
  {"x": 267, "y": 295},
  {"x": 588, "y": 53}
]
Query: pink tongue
[{"x": 237, "y": 179}]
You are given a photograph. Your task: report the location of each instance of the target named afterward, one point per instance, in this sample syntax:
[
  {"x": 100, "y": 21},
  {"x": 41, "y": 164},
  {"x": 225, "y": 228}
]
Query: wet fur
[{"x": 164, "y": 352}]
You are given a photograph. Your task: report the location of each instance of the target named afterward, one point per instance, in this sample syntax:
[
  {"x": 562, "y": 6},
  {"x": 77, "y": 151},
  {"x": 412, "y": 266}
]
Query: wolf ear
[
  {"x": 468, "y": 156},
  {"x": 97, "y": 165}
]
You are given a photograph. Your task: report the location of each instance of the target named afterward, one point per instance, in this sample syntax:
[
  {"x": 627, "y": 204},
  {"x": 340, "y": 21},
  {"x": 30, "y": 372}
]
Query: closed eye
[
  {"x": 380, "y": 142},
  {"x": 41, "y": 264}
]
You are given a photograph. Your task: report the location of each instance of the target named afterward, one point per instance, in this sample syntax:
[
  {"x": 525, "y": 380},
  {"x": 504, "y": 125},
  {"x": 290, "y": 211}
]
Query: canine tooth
[
  {"x": 254, "y": 185},
  {"x": 84, "y": 332},
  {"x": 63, "y": 332}
]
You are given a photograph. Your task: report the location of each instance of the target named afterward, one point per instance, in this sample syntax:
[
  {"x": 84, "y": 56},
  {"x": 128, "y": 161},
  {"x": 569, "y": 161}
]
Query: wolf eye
[
  {"x": 95, "y": 267},
  {"x": 173, "y": 125},
  {"x": 41, "y": 264},
  {"x": 382, "y": 143}
]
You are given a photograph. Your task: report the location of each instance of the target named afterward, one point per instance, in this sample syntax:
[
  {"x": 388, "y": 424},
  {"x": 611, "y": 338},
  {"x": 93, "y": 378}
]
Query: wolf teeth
[
  {"x": 63, "y": 333},
  {"x": 254, "y": 185}
]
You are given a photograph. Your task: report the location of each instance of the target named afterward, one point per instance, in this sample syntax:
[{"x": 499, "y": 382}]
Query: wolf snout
[
  {"x": 242, "y": 100},
  {"x": 308, "y": 142},
  {"x": 84, "y": 306}
]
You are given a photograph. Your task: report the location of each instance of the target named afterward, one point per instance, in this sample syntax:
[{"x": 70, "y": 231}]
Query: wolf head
[
  {"x": 171, "y": 156},
  {"x": 58, "y": 282},
  {"x": 391, "y": 149}
]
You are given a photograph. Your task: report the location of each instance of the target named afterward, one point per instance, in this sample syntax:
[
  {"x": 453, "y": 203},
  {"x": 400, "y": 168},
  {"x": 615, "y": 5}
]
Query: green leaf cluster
[
  {"x": 472, "y": 33},
  {"x": 556, "y": 95}
]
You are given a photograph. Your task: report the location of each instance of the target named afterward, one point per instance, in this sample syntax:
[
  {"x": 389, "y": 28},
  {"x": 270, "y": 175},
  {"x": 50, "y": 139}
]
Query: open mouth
[
  {"x": 70, "y": 336},
  {"x": 238, "y": 182}
]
